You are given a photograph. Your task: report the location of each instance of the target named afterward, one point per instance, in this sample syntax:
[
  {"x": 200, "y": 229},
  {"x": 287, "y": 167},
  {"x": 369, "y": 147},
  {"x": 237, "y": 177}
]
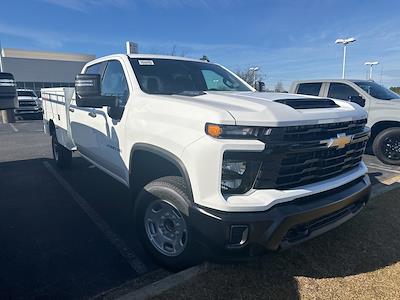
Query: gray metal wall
[{"x": 41, "y": 70}]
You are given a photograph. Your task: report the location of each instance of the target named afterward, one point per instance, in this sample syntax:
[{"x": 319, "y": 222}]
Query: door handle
[
  {"x": 92, "y": 114},
  {"x": 71, "y": 109}
]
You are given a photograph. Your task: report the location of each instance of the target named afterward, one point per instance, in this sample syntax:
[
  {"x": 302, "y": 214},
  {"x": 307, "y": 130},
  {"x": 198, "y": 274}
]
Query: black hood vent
[{"x": 308, "y": 103}]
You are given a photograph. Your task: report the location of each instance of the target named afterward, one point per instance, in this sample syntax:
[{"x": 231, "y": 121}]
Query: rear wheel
[
  {"x": 61, "y": 155},
  {"x": 163, "y": 225},
  {"x": 386, "y": 146}
]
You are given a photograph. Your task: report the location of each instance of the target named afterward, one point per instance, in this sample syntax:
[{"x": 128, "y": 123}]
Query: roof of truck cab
[
  {"x": 143, "y": 56},
  {"x": 158, "y": 56},
  {"x": 330, "y": 80}
]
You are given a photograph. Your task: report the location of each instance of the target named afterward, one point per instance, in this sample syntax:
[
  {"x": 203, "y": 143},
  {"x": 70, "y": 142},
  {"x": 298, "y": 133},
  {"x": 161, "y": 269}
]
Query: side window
[
  {"x": 215, "y": 81},
  {"x": 311, "y": 89},
  {"x": 341, "y": 91},
  {"x": 114, "y": 82},
  {"x": 96, "y": 68}
]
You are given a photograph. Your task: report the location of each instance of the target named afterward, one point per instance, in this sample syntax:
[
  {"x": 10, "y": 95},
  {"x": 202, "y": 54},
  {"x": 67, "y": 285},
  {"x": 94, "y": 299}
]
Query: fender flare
[{"x": 172, "y": 158}]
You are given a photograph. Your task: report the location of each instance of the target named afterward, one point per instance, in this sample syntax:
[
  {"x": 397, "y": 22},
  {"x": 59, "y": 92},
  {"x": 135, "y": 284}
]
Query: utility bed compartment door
[{"x": 56, "y": 106}]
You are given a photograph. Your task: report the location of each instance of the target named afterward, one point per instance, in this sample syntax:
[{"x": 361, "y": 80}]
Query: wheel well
[
  {"x": 148, "y": 165},
  {"x": 52, "y": 128},
  {"x": 380, "y": 126}
]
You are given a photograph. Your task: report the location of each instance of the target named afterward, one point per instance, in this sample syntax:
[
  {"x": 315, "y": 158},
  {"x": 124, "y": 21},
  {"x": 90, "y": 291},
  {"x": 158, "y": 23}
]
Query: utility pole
[{"x": 7, "y": 115}]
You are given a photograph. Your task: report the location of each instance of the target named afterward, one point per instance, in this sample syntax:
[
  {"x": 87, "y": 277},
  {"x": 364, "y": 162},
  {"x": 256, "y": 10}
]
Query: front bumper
[
  {"x": 283, "y": 225},
  {"x": 26, "y": 111}
]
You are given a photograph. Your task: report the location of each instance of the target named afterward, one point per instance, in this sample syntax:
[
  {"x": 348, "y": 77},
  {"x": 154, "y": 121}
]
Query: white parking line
[
  {"x": 135, "y": 263},
  {"x": 13, "y": 127},
  {"x": 382, "y": 168}
]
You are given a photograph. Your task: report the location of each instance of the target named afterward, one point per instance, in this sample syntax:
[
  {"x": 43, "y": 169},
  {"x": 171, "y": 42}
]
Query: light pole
[
  {"x": 344, "y": 42},
  {"x": 370, "y": 64},
  {"x": 254, "y": 70}
]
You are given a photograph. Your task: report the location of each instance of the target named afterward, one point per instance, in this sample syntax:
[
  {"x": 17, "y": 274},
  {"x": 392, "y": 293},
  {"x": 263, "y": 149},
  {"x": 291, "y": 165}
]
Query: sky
[{"x": 287, "y": 39}]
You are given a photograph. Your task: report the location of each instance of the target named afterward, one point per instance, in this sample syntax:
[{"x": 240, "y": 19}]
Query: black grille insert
[{"x": 300, "y": 155}]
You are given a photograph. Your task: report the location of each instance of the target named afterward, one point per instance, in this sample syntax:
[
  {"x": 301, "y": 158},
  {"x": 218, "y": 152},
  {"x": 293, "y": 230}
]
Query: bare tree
[
  {"x": 279, "y": 87},
  {"x": 248, "y": 75},
  {"x": 395, "y": 89}
]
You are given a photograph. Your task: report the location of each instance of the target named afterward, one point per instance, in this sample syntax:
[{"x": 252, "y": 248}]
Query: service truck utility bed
[{"x": 56, "y": 107}]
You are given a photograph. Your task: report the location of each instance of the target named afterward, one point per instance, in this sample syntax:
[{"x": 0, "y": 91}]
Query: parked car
[
  {"x": 8, "y": 94},
  {"x": 382, "y": 105},
  {"x": 213, "y": 166},
  {"x": 29, "y": 104}
]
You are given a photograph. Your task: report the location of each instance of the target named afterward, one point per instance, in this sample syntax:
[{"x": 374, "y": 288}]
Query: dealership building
[{"x": 38, "y": 69}]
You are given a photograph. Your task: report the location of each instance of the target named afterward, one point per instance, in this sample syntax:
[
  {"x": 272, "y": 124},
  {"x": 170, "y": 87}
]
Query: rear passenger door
[{"x": 310, "y": 88}]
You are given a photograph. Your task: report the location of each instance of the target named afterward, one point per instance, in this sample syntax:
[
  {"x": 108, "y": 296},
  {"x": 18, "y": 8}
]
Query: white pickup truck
[
  {"x": 382, "y": 105},
  {"x": 214, "y": 167}
]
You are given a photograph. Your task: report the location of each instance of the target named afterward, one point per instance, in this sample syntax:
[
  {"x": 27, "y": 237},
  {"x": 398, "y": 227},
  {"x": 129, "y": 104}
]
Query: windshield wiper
[{"x": 189, "y": 93}]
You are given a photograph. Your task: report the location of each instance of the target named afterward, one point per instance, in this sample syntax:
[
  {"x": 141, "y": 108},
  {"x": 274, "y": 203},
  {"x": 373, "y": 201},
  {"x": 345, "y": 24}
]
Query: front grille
[
  {"x": 27, "y": 103},
  {"x": 322, "y": 131},
  {"x": 296, "y": 156}
]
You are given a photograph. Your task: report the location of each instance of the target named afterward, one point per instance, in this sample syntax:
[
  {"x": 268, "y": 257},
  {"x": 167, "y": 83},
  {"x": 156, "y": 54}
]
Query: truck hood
[{"x": 260, "y": 109}]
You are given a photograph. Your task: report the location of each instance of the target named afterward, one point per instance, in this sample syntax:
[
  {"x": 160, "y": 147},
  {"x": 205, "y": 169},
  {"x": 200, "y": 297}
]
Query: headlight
[
  {"x": 238, "y": 173},
  {"x": 236, "y": 132}
]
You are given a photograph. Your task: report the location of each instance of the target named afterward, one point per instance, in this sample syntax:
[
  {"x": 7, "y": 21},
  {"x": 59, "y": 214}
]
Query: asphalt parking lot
[
  {"x": 69, "y": 234},
  {"x": 64, "y": 234}
]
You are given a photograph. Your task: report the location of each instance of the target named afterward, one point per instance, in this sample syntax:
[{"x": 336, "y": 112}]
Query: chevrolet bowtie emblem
[{"x": 340, "y": 142}]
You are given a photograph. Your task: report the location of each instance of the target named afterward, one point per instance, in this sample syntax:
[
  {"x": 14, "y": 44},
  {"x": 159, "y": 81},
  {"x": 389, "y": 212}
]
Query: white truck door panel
[
  {"x": 96, "y": 134},
  {"x": 85, "y": 123},
  {"x": 114, "y": 83}
]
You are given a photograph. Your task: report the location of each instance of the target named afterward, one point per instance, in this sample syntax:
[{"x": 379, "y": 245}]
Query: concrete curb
[{"x": 166, "y": 283}]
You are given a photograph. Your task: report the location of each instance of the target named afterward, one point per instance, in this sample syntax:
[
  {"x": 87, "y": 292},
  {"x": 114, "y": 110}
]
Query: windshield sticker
[{"x": 147, "y": 62}]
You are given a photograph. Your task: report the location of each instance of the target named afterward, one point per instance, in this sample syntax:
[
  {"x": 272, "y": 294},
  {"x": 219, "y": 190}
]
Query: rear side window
[
  {"x": 311, "y": 89},
  {"x": 341, "y": 91}
]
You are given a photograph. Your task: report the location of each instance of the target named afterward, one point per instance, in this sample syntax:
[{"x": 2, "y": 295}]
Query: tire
[
  {"x": 162, "y": 221},
  {"x": 61, "y": 155},
  {"x": 386, "y": 146}
]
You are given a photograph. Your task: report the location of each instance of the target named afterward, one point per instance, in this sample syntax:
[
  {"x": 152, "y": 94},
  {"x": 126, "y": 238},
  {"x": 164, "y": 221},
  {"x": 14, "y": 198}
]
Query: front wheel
[
  {"x": 61, "y": 155},
  {"x": 163, "y": 225},
  {"x": 386, "y": 146}
]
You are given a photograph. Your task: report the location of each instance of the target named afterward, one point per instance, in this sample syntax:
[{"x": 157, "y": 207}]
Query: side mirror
[
  {"x": 8, "y": 91},
  {"x": 358, "y": 100},
  {"x": 260, "y": 86},
  {"x": 88, "y": 92}
]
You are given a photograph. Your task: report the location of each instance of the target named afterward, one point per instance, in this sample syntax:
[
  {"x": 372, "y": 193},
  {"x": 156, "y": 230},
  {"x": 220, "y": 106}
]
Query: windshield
[
  {"x": 377, "y": 91},
  {"x": 26, "y": 94},
  {"x": 190, "y": 78}
]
